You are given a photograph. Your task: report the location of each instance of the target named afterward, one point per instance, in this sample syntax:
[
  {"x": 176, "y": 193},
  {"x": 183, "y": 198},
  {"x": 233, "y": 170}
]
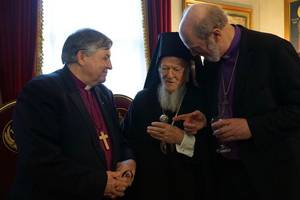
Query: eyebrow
[{"x": 171, "y": 65}]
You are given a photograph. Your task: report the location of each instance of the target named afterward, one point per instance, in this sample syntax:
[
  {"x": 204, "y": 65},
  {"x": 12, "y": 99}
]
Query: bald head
[
  {"x": 201, "y": 19},
  {"x": 205, "y": 30}
]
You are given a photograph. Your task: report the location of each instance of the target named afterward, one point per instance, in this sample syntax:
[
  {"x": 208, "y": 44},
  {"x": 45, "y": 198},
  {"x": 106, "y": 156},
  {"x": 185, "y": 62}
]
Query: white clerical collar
[{"x": 87, "y": 87}]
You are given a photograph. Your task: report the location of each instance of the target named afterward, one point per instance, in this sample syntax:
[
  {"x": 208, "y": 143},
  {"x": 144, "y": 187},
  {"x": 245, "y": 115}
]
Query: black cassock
[{"x": 166, "y": 176}]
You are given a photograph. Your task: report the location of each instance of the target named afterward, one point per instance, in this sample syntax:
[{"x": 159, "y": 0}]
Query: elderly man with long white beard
[{"x": 169, "y": 159}]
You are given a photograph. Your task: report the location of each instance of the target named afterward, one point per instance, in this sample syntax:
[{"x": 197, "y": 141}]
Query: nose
[{"x": 108, "y": 64}]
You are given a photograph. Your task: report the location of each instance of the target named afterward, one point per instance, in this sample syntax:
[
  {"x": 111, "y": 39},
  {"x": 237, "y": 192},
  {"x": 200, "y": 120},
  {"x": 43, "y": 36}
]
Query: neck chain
[
  {"x": 165, "y": 118},
  {"x": 225, "y": 100}
]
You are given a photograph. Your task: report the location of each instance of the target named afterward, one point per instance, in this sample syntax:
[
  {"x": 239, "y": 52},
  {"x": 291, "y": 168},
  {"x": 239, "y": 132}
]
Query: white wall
[
  {"x": 176, "y": 11},
  {"x": 267, "y": 15},
  {"x": 272, "y": 16}
]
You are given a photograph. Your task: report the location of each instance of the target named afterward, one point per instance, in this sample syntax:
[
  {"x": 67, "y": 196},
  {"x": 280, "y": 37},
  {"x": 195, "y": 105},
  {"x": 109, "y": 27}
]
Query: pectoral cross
[
  {"x": 224, "y": 105},
  {"x": 104, "y": 138}
]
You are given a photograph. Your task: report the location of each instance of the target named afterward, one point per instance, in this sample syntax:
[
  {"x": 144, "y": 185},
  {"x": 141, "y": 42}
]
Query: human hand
[
  {"x": 231, "y": 129},
  {"x": 165, "y": 132},
  {"x": 193, "y": 121},
  {"x": 115, "y": 187},
  {"x": 127, "y": 169}
]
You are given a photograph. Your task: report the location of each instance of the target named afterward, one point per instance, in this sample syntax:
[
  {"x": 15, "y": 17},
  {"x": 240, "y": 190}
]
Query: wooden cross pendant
[{"x": 104, "y": 138}]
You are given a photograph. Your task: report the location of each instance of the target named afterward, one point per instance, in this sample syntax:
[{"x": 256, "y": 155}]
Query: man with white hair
[
  {"x": 251, "y": 81},
  {"x": 169, "y": 159}
]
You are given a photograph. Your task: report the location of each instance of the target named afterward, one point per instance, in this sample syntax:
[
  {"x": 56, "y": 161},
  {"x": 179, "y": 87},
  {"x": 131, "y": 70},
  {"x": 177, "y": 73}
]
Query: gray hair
[
  {"x": 215, "y": 18},
  {"x": 86, "y": 40}
]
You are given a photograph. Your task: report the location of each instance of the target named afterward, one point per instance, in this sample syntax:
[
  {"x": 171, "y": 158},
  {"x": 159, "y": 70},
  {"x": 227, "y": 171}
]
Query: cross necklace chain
[
  {"x": 102, "y": 136},
  {"x": 164, "y": 118},
  {"x": 225, "y": 91}
]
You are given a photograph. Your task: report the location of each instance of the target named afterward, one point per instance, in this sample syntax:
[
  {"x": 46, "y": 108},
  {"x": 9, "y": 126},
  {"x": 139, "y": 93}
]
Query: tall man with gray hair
[
  {"x": 67, "y": 130},
  {"x": 251, "y": 83}
]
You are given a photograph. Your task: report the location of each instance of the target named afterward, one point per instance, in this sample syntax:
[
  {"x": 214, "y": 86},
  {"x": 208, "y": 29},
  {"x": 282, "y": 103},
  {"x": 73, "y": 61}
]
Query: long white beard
[{"x": 170, "y": 101}]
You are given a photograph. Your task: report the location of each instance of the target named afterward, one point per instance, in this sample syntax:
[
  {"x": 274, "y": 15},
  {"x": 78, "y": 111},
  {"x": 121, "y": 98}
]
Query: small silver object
[
  {"x": 163, "y": 146},
  {"x": 164, "y": 118}
]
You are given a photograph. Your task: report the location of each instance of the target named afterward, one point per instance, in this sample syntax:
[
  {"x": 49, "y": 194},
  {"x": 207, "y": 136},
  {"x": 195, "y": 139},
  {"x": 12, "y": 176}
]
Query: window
[{"x": 120, "y": 20}]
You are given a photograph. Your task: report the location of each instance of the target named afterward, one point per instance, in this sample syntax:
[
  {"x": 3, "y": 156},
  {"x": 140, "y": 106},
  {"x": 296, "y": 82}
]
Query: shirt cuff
[{"x": 187, "y": 145}]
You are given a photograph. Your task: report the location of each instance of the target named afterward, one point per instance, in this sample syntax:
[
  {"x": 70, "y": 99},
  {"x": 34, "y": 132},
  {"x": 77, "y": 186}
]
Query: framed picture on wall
[
  {"x": 236, "y": 14},
  {"x": 292, "y": 22}
]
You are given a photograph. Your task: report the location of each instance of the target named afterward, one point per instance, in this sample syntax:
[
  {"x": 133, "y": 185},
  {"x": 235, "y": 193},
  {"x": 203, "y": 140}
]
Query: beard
[
  {"x": 215, "y": 52},
  {"x": 170, "y": 101}
]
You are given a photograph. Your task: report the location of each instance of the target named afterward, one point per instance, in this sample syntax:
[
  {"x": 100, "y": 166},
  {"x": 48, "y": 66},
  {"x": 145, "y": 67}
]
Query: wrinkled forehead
[{"x": 173, "y": 61}]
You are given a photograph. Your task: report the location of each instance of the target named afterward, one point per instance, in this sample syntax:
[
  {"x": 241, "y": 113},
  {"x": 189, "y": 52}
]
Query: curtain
[
  {"x": 18, "y": 39},
  {"x": 158, "y": 20}
]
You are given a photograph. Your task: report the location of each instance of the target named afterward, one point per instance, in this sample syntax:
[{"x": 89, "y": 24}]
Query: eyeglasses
[{"x": 175, "y": 69}]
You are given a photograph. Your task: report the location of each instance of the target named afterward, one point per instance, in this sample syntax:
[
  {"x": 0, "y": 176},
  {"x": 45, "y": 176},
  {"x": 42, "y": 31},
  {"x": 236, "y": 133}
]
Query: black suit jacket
[
  {"x": 267, "y": 94},
  {"x": 59, "y": 156}
]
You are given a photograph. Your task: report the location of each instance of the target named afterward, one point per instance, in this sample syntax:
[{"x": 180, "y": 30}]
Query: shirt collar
[
  {"x": 79, "y": 84},
  {"x": 233, "y": 48}
]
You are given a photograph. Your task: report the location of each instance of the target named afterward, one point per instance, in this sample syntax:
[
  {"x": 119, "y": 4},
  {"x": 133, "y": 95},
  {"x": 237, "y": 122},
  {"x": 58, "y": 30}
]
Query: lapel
[
  {"x": 74, "y": 95},
  {"x": 243, "y": 70},
  {"x": 211, "y": 73}
]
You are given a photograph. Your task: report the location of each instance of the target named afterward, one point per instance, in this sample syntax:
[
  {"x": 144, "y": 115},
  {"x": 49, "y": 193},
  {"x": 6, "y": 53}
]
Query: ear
[
  {"x": 217, "y": 34},
  {"x": 80, "y": 57}
]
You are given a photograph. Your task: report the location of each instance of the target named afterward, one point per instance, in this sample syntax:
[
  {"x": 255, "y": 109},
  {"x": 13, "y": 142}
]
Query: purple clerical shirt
[
  {"x": 227, "y": 71},
  {"x": 94, "y": 110}
]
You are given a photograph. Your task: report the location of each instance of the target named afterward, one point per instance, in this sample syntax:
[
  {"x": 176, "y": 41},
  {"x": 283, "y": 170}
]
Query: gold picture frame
[
  {"x": 291, "y": 32},
  {"x": 287, "y": 19},
  {"x": 236, "y": 14}
]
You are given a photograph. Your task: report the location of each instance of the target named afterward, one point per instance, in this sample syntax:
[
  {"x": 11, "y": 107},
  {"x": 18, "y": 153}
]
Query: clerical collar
[
  {"x": 87, "y": 87},
  {"x": 80, "y": 84},
  {"x": 232, "y": 50}
]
